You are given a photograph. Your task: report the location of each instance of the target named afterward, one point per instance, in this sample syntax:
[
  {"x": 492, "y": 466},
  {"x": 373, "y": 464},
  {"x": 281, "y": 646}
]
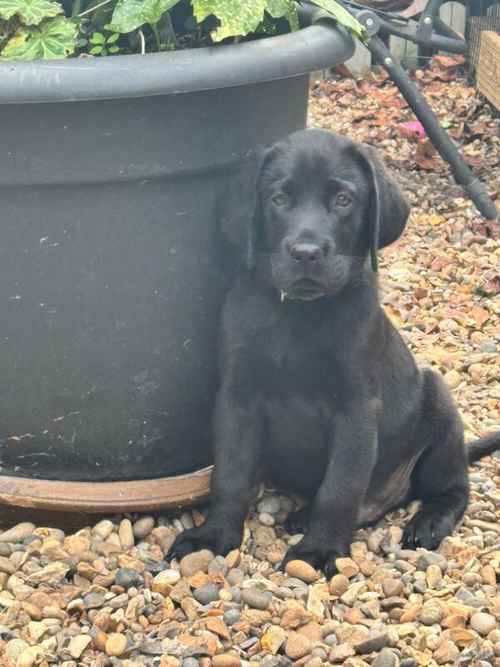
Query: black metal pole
[{"x": 439, "y": 138}]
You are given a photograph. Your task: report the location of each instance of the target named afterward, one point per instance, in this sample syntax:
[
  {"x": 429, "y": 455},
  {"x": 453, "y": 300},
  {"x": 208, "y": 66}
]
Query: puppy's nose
[{"x": 306, "y": 252}]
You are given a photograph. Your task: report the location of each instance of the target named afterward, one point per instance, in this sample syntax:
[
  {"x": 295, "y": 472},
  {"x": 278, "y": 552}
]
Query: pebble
[
  {"x": 483, "y": 623},
  {"x": 126, "y": 578},
  {"x": 78, "y": 645},
  {"x": 430, "y": 614},
  {"x": 164, "y": 581},
  {"x": 206, "y": 594},
  {"x": 104, "y": 528},
  {"x": 269, "y": 505},
  {"x": 301, "y": 570},
  {"x": 30, "y": 656},
  {"x": 14, "y": 648},
  {"x": 143, "y": 527},
  {"x": 6, "y": 565},
  {"x": 428, "y": 558},
  {"x": 372, "y": 644},
  {"x": 386, "y": 658},
  {"x": 126, "y": 534},
  {"x": 347, "y": 567},
  {"x": 196, "y": 562},
  {"x": 231, "y": 616},
  {"x": 17, "y": 533},
  {"x": 392, "y": 587},
  {"x": 340, "y": 653},
  {"x": 297, "y": 646},
  {"x": 116, "y": 644},
  {"x": 226, "y": 660},
  {"x": 446, "y": 653},
  {"x": 339, "y": 583},
  {"x": 273, "y": 639},
  {"x": 267, "y": 519},
  {"x": 256, "y": 599}
]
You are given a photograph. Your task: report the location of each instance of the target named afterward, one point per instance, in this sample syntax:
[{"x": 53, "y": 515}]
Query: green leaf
[
  {"x": 284, "y": 9},
  {"x": 31, "y": 12},
  {"x": 114, "y": 49},
  {"x": 95, "y": 50},
  {"x": 97, "y": 38},
  {"x": 342, "y": 16},
  {"x": 236, "y": 17},
  {"x": 113, "y": 38},
  {"x": 53, "y": 39},
  {"x": 129, "y": 15}
]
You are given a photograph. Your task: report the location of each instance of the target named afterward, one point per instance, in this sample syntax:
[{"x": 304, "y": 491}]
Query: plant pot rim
[
  {"x": 318, "y": 46},
  {"x": 143, "y": 495}
]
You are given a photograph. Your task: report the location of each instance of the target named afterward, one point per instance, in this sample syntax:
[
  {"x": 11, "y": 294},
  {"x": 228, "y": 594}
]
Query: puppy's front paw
[
  {"x": 298, "y": 522},
  {"x": 219, "y": 539},
  {"x": 321, "y": 557},
  {"x": 427, "y": 529}
]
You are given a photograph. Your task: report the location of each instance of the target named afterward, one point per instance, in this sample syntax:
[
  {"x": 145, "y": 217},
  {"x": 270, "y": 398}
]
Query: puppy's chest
[{"x": 289, "y": 364}]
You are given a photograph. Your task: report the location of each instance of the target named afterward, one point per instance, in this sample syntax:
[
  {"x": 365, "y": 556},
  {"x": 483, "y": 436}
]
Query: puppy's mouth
[{"x": 303, "y": 290}]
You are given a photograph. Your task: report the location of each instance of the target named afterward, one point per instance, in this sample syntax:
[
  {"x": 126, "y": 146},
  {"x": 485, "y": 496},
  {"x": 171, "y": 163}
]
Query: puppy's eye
[
  {"x": 342, "y": 199},
  {"x": 280, "y": 199}
]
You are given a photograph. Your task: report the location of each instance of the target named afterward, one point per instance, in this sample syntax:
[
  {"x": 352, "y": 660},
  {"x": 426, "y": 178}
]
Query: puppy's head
[{"x": 322, "y": 205}]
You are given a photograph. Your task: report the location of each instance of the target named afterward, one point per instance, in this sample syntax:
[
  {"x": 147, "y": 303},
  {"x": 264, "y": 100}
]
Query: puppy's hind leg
[{"x": 440, "y": 478}]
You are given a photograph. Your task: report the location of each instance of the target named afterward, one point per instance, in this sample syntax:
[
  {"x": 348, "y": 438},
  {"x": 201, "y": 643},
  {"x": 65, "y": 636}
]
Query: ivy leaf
[
  {"x": 31, "y": 12},
  {"x": 129, "y": 15},
  {"x": 236, "y": 17},
  {"x": 342, "y": 16},
  {"x": 284, "y": 9},
  {"x": 53, "y": 39}
]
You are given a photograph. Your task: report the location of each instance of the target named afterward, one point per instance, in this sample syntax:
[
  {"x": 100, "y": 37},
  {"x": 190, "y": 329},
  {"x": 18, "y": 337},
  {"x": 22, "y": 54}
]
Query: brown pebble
[
  {"x": 196, "y": 562},
  {"x": 297, "y": 645},
  {"x": 126, "y": 534},
  {"x": 340, "y": 653},
  {"x": 226, "y": 660},
  {"x": 116, "y": 644},
  {"x": 32, "y": 610},
  {"x": 301, "y": 570},
  {"x": 338, "y": 584},
  {"x": 446, "y": 653},
  {"x": 347, "y": 567},
  {"x": 392, "y": 587},
  {"x": 488, "y": 575}
]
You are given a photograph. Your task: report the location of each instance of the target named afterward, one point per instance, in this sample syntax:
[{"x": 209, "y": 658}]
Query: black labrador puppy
[{"x": 319, "y": 393}]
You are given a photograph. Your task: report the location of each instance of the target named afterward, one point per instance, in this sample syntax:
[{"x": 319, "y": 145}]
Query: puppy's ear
[
  {"x": 389, "y": 209},
  {"x": 239, "y": 208}
]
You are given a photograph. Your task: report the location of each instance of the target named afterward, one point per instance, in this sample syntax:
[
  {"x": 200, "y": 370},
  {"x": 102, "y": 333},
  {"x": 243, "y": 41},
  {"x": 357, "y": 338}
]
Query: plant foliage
[{"x": 48, "y": 29}]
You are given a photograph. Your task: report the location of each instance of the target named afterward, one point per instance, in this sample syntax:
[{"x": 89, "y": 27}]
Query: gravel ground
[{"x": 107, "y": 594}]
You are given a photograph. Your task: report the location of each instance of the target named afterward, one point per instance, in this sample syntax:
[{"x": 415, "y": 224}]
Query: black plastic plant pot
[{"x": 111, "y": 271}]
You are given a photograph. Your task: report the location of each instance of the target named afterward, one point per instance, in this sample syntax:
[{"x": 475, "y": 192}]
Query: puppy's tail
[{"x": 482, "y": 447}]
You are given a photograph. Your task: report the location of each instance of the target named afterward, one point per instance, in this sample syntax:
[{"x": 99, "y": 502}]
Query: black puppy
[{"x": 318, "y": 392}]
